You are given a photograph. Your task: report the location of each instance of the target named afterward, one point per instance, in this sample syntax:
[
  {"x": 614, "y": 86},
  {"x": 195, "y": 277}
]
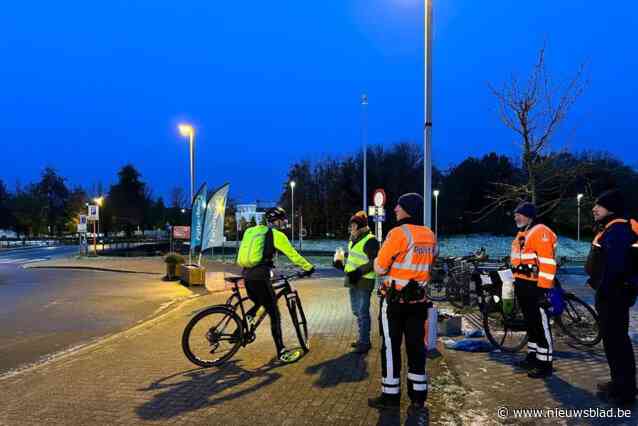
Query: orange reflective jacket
[
  {"x": 407, "y": 254},
  {"x": 535, "y": 248}
]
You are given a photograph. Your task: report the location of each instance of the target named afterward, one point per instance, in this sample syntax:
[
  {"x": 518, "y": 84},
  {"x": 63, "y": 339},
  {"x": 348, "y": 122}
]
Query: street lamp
[
  {"x": 578, "y": 198},
  {"x": 364, "y": 136},
  {"x": 99, "y": 201},
  {"x": 187, "y": 130},
  {"x": 292, "y": 213},
  {"x": 427, "y": 128},
  {"x": 436, "y": 211}
]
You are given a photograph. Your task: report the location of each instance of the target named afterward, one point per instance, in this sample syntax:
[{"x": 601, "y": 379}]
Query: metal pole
[
  {"x": 579, "y": 220},
  {"x": 436, "y": 215},
  {"x": 292, "y": 216},
  {"x": 192, "y": 164},
  {"x": 427, "y": 129},
  {"x": 300, "y": 230},
  {"x": 364, "y": 136}
]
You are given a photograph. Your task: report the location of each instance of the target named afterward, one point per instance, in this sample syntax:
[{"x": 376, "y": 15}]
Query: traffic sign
[
  {"x": 82, "y": 224},
  {"x": 94, "y": 212},
  {"x": 379, "y": 197}
]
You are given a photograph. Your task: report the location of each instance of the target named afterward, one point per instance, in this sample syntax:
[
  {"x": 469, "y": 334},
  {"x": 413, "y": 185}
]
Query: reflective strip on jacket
[
  {"x": 407, "y": 254},
  {"x": 536, "y": 248},
  {"x": 357, "y": 257}
]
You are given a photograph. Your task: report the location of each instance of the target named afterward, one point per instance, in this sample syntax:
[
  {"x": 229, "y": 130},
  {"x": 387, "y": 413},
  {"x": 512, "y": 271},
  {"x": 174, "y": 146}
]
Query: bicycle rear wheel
[
  {"x": 298, "y": 319},
  {"x": 212, "y": 336},
  {"x": 505, "y": 331},
  {"x": 436, "y": 288},
  {"x": 579, "y": 321}
]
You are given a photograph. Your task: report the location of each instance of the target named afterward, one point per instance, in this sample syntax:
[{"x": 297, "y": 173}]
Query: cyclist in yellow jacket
[{"x": 256, "y": 257}]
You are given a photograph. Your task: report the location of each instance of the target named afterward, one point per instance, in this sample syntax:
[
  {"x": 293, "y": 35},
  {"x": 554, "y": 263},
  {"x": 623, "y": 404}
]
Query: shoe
[
  {"x": 526, "y": 363},
  {"x": 362, "y": 348},
  {"x": 604, "y": 387},
  {"x": 385, "y": 402},
  {"x": 537, "y": 372},
  {"x": 354, "y": 344},
  {"x": 289, "y": 356},
  {"x": 416, "y": 408}
]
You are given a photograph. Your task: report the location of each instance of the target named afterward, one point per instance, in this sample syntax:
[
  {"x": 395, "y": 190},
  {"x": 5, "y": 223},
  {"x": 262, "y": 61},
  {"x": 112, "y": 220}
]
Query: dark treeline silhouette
[{"x": 328, "y": 191}]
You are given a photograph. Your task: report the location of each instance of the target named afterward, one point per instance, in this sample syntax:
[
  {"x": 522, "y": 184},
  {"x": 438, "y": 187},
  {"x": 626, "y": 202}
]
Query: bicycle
[
  {"x": 216, "y": 333},
  {"x": 451, "y": 279},
  {"x": 507, "y": 331}
]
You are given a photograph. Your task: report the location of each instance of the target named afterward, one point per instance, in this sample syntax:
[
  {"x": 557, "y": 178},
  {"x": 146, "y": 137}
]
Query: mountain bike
[
  {"x": 216, "y": 333},
  {"x": 508, "y": 331}
]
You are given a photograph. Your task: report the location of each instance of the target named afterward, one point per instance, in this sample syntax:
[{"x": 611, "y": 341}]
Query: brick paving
[{"x": 141, "y": 377}]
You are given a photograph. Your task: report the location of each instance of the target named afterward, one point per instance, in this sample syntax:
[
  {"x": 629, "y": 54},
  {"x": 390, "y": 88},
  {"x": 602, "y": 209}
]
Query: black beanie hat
[
  {"x": 613, "y": 201},
  {"x": 526, "y": 209},
  {"x": 412, "y": 203}
]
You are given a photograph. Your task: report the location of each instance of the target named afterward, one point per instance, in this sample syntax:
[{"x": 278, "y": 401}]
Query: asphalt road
[
  {"x": 44, "y": 311},
  {"x": 11, "y": 258}
]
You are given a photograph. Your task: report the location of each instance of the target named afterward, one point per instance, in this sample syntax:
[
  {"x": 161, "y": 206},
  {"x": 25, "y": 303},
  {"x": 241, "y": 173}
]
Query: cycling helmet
[{"x": 276, "y": 213}]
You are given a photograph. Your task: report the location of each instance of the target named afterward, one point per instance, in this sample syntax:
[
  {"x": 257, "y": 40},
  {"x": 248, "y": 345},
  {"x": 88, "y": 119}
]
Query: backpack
[{"x": 255, "y": 246}]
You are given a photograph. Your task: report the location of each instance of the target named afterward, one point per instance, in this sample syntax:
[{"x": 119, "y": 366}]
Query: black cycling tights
[{"x": 262, "y": 294}]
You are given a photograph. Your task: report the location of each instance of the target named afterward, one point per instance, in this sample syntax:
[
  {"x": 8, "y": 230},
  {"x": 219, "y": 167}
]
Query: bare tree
[
  {"x": 534, "y": 110},
  {"x": 178, "y": 198}
]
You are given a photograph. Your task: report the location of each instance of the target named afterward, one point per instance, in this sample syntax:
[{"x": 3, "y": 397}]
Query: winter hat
[
  {"x": 612, "y": 200},
  {"x": 527, "y": 209},
  {"x": 360, "y": 218},
  {"x": 412, "y": 203}
]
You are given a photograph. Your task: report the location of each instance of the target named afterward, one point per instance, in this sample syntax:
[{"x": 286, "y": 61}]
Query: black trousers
[
  {"x": 262, "y": 294},
  {"x": 613, "y": 314},
  {"x": 397, "y": 320},
  {"x": 539, "y": 333}
]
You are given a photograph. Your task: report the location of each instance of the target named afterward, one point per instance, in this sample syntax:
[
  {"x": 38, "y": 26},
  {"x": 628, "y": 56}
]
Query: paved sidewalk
[{"x": 141, "y": 376}]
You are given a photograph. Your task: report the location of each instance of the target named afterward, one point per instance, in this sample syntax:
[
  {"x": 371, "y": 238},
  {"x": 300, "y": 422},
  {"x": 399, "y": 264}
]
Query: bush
[{"x": 174, "y": 258}]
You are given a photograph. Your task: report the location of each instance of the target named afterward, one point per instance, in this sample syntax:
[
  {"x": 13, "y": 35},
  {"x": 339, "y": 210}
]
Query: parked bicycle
[
  {"x": 215, "y": 334},
  {"x": 507, "y": 331},
  {"x": 452, "y": 279}
]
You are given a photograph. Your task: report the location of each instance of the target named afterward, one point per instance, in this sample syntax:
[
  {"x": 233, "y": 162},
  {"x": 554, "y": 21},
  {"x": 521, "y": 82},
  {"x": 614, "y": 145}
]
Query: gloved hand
[
  {"x": 338, "y": 264},
  {"x": 308, "y": 272},
  {"x": 354, "y": 276}
]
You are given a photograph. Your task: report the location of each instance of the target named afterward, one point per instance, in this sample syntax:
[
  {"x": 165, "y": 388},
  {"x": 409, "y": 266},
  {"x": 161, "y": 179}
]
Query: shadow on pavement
[
  {"x": 197, "y": 388},
  {"x": 348, "y": 368}
]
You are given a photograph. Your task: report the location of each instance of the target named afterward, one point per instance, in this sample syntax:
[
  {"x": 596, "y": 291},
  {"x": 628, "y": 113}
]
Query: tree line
[{"x": 329, "y": 191}]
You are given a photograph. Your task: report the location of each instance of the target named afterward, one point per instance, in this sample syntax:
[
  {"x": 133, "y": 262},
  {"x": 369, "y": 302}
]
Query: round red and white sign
[{"x": 379, "y": 198}]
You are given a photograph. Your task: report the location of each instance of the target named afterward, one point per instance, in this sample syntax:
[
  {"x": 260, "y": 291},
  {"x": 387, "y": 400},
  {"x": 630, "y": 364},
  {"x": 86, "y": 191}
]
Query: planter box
[{"x": 193, "y": 275}]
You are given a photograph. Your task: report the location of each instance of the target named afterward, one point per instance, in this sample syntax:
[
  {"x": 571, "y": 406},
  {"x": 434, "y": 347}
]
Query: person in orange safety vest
[
  {"x": 403, "y": 264},
  {"x": 533, "y": 261}
]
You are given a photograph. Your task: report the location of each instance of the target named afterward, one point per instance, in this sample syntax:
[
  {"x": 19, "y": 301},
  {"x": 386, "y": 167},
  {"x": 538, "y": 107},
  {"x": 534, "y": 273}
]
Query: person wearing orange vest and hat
[
  {"x": 404, "y": 263},
  {"x": 613, "y": 275},
  {"x": 533, "y": 261}
]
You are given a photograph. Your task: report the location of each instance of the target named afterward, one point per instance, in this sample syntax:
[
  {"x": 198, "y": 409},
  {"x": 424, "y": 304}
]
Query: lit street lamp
[
  {"x": 578, "y": 198},
  {"x": 99, "y": 201},
  {"x": 436, "y": 211},
  {"x": 292, "y": 213},
  {"x": 187, "y": 130},
  {"x": 364, "y": 136}
]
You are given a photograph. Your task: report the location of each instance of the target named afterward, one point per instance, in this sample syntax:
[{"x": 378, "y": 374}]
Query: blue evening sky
[{"x": 88, "y": 86}]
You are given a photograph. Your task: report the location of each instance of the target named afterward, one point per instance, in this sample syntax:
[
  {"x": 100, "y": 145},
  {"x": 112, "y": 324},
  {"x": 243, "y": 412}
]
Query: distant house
[{"x": 256, "y": 211}]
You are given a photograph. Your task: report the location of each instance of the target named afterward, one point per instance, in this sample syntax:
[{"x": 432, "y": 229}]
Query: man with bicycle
[
  {"x": 533, "y": 260},
  {"x": 255, "y": 255},
  {"x": 404, "y": 260}
]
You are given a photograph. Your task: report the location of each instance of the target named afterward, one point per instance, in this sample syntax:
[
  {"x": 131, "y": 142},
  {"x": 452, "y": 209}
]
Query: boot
[
  {"x": 540, "y": 372},
  {"x": 385, "y": 402},
  {"x": 528, "y": 362}
]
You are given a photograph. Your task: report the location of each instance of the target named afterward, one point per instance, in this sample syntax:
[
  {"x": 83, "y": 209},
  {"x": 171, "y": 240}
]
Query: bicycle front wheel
[
  {"x": 579, "y": 321},
  {"x": 506, "y": 332},
  {"x": 298, "y": 319},
  {"x": 212, "y": 337}
]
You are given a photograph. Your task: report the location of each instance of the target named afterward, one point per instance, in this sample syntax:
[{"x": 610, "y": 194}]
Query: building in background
[{"x": 246, "y": 213}]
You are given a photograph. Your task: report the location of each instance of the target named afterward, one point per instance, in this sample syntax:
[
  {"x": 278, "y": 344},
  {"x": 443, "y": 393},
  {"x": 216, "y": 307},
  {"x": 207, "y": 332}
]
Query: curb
[{"x": 90, "y": 268}]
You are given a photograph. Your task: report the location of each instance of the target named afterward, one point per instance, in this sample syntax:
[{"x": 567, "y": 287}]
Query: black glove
[
  {"x": 338, "y": 264},
  {"x": 308, "y": 273},
  {"x": 354, "y": 276}
]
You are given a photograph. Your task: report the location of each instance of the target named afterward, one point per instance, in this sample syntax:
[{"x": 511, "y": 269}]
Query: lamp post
[
  {"x": 578, "y": 198},
  {"x": 292, "y": 213},
  {"x": 99, "y": 201},
  {"x": 427, "y": 128},
  {"x": 436, "y": 211},
  {"x": 364, "y": 136},
  {"x": 188, "y": 131}
]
